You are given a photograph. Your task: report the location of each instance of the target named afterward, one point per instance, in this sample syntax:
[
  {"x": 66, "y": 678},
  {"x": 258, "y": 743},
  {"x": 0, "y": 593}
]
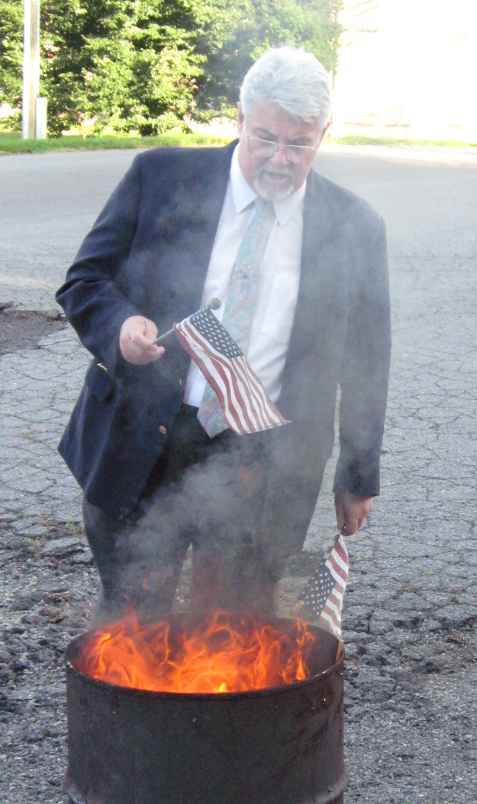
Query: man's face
[{"x": 276, "y": 172}]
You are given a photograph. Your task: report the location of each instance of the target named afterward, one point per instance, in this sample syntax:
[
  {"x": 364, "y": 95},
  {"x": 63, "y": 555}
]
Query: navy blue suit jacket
[{"x": 148, "y": 254}]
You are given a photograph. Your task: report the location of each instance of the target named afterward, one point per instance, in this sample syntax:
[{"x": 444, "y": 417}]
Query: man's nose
[{"x": 280, "y": 157}]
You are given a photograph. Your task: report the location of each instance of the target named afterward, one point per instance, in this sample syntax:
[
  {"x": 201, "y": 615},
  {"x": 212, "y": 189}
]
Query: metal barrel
[{"x": 275, "y": 746}]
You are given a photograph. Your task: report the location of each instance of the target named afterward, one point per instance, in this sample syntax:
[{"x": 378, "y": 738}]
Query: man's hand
[
  {"x": 136, "y": 341},
  {"x": 351, "y": 511}
]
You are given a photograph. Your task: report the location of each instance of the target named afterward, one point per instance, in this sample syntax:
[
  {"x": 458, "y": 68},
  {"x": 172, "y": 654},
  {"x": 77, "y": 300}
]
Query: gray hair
[{"x": 292, "y": 78}]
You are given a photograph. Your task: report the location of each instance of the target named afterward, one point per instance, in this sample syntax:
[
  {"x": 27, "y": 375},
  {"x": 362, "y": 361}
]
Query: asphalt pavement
[{"x": 411, "y": 608}]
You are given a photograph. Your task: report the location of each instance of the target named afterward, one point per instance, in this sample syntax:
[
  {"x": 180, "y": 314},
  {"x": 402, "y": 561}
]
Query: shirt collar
[{"x": 243, "y": 195}]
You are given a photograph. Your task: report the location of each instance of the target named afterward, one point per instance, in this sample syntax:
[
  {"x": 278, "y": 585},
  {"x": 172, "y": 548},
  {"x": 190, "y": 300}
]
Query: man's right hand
[{"x": 136, "y": 341}]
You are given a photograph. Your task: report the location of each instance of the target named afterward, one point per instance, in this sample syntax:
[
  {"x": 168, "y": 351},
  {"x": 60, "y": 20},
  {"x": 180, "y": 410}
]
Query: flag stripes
[{"x": 242, "y": 397}]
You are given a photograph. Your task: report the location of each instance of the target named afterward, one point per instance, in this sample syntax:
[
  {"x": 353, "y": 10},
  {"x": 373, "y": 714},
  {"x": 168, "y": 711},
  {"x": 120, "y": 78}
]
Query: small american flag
[
  {"x": 324, "y": 592},
  {"x": 242, "y": 397}
]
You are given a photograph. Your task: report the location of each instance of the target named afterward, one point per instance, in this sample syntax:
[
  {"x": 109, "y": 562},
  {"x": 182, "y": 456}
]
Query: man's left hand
[{"x": 351, "y": 511}]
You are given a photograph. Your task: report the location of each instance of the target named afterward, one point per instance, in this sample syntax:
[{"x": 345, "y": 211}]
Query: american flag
[
  {"x": 242, "y": 397},
  {"x": 324, "y": 592}
]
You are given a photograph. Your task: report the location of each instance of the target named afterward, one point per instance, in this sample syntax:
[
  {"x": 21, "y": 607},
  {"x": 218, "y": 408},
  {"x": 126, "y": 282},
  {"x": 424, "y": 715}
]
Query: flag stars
[
  {"x": 323, "y": 594},
  {"x": 210, "y": 328}
]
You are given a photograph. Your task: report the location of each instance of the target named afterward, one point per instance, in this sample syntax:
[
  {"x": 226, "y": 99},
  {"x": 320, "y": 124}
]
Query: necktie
[{"x": 241, "y": 302}]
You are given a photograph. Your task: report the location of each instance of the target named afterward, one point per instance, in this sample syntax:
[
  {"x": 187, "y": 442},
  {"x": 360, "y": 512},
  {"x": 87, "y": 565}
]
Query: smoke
[{"x": 210, "y": 497}]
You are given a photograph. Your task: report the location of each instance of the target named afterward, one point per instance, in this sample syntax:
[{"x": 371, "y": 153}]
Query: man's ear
[
  {"x": 240, "y": 118},
  {"x": 325, "y": 129}
]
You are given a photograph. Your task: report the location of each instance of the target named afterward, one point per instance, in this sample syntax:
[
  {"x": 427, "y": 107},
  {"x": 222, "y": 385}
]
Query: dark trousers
[{"x": 205, "y": 493}]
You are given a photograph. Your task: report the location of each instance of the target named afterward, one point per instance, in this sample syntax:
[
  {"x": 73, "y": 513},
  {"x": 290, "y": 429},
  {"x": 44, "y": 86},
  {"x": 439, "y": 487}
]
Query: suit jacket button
[{"x": 163, "y": 429}]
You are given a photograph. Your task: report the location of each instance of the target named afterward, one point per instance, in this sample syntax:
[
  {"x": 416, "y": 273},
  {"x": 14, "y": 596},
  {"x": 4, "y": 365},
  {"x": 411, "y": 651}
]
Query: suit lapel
[
  {"x": 198, "y": 226},
  {"x": 212, "y": 186},
  {"x": 320, "y": 278},
  {"x": 184, "y": 231},
  {"x": 316, "y": 230}
]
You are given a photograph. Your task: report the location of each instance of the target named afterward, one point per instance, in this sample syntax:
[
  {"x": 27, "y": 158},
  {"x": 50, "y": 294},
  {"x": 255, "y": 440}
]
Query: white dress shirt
[{"x": 278, "y": 281}]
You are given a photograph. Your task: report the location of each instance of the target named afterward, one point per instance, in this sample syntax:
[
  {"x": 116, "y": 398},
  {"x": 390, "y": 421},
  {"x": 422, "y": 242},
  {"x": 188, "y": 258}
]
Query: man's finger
[
  {"x": 150, "y": 330},
  {"x": 340, "y": 518},
  {"x": 141, "y": 339},
  {"x": 149, "y": 351},
  {"x": 140, "y": 353}
]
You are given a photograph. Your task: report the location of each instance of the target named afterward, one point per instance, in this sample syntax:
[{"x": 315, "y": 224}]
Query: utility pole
[{"x": 31, "y": 67}]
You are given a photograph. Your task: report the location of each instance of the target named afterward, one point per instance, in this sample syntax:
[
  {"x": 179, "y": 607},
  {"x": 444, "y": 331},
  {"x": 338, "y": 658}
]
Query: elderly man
[{"x": 156, "y": 478}]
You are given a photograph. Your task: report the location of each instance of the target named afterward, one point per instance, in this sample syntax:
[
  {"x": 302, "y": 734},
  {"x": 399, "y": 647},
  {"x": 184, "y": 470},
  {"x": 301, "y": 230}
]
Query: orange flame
[{"x": 225, "y": 653}]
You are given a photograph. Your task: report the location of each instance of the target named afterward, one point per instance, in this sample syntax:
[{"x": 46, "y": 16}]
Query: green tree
[
  {"x": 127, "y": 64},
  {"x": 11, "y": 51},
  {"x": 250, "y": 27},
  {"x": 143, "y": 65}
]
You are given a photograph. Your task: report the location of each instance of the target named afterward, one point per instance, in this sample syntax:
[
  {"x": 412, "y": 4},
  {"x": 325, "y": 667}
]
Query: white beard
[{"x": 270, "y": 193}]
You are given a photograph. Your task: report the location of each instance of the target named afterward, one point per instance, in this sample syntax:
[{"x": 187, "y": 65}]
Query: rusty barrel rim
[{"x": 336, "y": 667}]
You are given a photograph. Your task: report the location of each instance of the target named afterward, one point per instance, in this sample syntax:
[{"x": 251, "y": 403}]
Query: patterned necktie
[{"x": 241, "y": 302}]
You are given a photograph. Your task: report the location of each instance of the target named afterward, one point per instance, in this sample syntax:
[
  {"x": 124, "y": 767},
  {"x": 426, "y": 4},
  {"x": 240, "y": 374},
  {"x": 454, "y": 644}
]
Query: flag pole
[{"x": 214, "y": 304}]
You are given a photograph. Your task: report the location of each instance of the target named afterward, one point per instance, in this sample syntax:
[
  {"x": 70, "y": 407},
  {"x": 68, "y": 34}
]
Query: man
[{"x": 166, "y": 242}]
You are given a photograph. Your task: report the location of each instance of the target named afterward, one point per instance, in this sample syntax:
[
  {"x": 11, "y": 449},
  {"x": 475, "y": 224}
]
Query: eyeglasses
[{"x": 268, "y": 148}]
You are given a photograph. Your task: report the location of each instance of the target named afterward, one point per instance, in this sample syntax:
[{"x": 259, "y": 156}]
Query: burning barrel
[{"x": 265, "y": 727}]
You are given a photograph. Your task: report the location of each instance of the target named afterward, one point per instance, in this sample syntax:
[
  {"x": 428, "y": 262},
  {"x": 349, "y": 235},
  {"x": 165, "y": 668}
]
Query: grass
[
  {"x": 11, "y": 142},
  {"x": 362, "y": 139}
]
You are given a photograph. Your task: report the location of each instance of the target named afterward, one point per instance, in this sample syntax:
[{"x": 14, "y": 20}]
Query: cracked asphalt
[{"x": 411, "y": 608}]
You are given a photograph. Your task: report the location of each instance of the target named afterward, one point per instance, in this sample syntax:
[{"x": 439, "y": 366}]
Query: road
[
  {"x": 410, "y": 610},
  {"x": 48, "y": 202}
]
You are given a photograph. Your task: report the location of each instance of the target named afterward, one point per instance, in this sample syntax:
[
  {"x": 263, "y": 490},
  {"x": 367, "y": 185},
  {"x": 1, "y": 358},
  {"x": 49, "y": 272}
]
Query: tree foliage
[
  {"x": 143, "y": 65},
  {"x": 250, "y": 27},
  {"x": 11, "y": 51},
  {"x": 130, "y": 65}
]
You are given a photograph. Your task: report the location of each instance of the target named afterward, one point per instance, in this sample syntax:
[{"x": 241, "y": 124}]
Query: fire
[{"x": 226, "y": 652}]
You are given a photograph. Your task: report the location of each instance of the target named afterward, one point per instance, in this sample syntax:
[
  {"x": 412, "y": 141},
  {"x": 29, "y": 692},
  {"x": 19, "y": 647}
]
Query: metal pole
[
  {"x": 31, "y": 66},
  {"x": 41, "y": 127},
  {"x": 214, "y": 304}
]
